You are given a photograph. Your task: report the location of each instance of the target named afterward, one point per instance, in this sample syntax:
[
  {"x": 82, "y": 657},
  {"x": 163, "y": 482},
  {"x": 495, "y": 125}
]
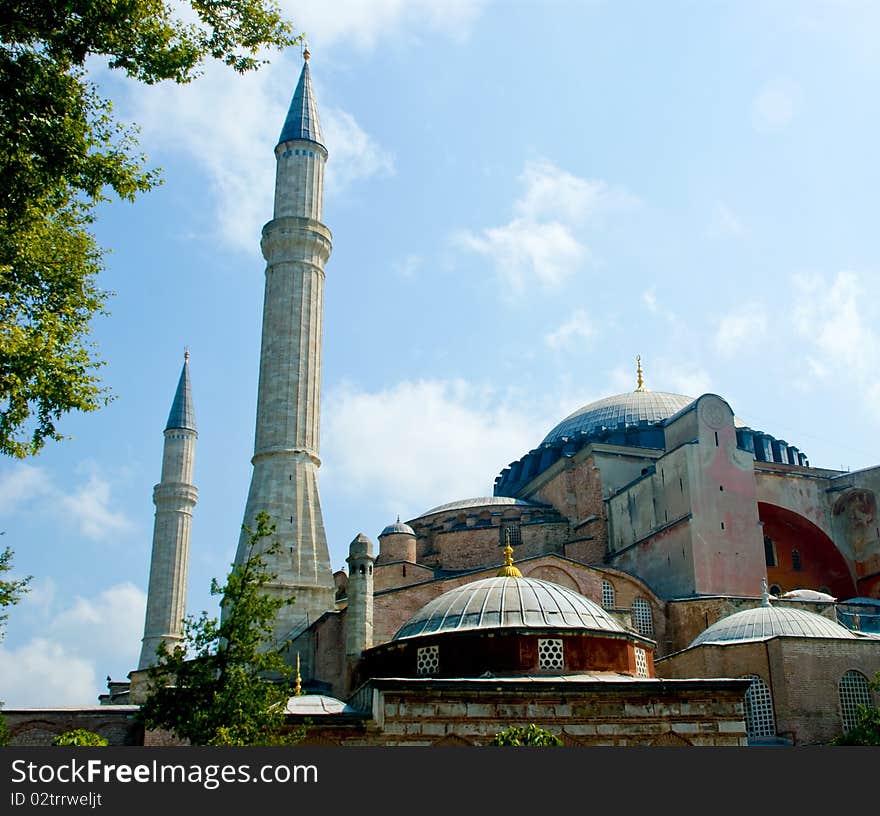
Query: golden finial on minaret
[
  {"x": 306, "y": 53},
  {"x": 508, "y": 570},
  {"x": 185, "y": 353},
  {"x": 640, "y": 382},
  {"x": 297, "y": 686}
]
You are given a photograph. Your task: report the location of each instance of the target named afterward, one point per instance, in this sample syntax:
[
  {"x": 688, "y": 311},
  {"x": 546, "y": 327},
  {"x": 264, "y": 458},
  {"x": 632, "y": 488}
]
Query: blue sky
[{"x": 523, "y": 197}]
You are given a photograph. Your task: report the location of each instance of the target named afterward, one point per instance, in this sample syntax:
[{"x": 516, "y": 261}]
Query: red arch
[{"x": 797, "y": 540}]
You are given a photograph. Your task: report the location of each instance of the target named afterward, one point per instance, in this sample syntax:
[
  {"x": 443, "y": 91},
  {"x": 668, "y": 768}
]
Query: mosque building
[{"x": 653, "y": 572}]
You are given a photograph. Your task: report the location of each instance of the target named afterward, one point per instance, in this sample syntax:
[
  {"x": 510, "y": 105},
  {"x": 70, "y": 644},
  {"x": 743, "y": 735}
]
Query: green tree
[
  {"x": 11, "y": 591},
  {"x": 866, "y": 731},
  {"x": 222, "y": 685},
  {"x": 61, "y": 153},
  {"x": 523, "y": 736},
  {"x": 80, "y": 737}
]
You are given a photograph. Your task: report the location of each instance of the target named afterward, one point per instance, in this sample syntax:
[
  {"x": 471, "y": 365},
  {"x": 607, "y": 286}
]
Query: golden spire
[
  {"x": 306, "y": 53},
  {"x": 640, "y": 382},
  {"x": 297, "y": 687},
  {"x": 185, "y": 353},
  {"x": 508, "y": 570}
]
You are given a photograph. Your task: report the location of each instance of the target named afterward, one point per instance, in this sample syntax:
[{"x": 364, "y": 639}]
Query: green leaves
[
  {"x": 10, "y": 591},
  {"x": 61, "y": 153},
  {"x": 227, "y": 683},
  {"x": 523, "y": 736}
]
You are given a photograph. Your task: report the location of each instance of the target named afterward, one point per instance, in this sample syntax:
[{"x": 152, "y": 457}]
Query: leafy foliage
[
  {"x": 80, "y": 737},
  {"x": 867, "y": 728},
  {"x": 222, "y": 685},
  {"x": 523, "y": 736},
  {"x": 61, "y": 150},
  {"x": 10, "y": 590}
]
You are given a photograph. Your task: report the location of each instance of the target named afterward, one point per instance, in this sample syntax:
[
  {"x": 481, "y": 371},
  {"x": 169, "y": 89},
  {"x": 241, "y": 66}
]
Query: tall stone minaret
[
  {"x": 174, "y": 497},
  {"x": 284, "y": 483}
]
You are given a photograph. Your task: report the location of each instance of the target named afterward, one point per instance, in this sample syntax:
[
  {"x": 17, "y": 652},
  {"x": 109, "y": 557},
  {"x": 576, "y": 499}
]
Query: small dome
[
  {"x": 620, "y": 411},
  {"x": 398, "y": 527},
  {"x": 501, "y": 602},
  {"x": 765, "y": 622}
]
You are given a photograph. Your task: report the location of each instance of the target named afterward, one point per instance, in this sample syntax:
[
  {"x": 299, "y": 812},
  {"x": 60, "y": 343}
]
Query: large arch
[{"x": 802, "y": 556}]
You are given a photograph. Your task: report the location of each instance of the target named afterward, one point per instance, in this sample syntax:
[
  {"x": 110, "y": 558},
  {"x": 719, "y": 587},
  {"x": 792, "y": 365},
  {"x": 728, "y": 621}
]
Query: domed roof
[
  {"x": 501, "y": 602},
  {"x": 481, "y": 501},
  {"x": 620, "y": 411},
  {"x": 766, "y": 622},
  {"x": 398, "y": 527}
]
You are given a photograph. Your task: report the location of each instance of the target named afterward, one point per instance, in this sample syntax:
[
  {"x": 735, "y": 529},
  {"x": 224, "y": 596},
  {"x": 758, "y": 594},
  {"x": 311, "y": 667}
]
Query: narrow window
[
  {"x": 641, "y": 663},
  {"x": 722, "y": 525},
  {"x": 760, "y": 721},
  {"x": 854, "y": 691},
  {"x": 607, "y": 594},
  {"x": 769, "y": 552},
  {"x": 716, "y": 439},
  {"x": 643, "y": 620},
  {"x": 796, "y": 560}
]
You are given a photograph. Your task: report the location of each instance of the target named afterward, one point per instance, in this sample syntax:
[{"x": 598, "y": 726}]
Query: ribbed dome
[
  {"x": 769, "y": 621},
  {"x": 508, "y": 602},
  {"x": 620, "y": 411},
  {"x": 398, "y": 527}
]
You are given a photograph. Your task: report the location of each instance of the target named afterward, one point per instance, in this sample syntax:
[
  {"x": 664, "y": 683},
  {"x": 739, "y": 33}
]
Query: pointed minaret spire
[
  {"x": 284, "y": 481},
  {"x": 182, "y": 414},
  {"x": 175, "y": 497},
  {"x": 302, "y": 123}
]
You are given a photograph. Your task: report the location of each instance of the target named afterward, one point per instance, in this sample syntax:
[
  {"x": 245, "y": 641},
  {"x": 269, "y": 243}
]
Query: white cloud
[
  {"x": 21, "y": 484},
  {"x": 741, "y": 330},
  {"x": 45, "y": 673},
  {"x": 89, "y": 507},
  {"x": 775, "y": 105},
  {"x": 228, "y": 126},
  {"x": 418, "y": 444},
  {"x": 354, "y": 154},
  {"x": 84, "y": 641},
  {"x": 540, "y": 242},
  {"x": 366, "y": 23},
  {"x": 573, "y": 331},
  {"x": 523, "y": 249},
  {"x": 834, "y": 320}
]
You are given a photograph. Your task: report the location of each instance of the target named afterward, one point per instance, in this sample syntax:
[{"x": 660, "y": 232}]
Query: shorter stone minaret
[
  {"x": 359, "y": 614},
  {"x": 174, "y": 497}
]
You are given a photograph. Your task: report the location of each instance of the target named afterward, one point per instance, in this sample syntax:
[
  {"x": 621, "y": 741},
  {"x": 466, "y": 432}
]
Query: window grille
[
  {"x": 643, "y": 620},
  {"x": 641, "y": 663},
  {"x": 428, "y": 660},
  {"x": 510, "y": 528},
  {"x": 607, "y": 595},
  {"x": 854, "y": 691},
  {"x": 550, "y": 653},
  {"x": 760, "y": 721}
]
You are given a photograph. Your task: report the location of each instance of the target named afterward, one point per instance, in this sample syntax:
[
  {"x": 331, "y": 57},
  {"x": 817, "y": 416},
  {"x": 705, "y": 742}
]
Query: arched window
[
  {"x": 854, "y": 691},
  {"x": 643, "y": 620},
  {"x": 760, "y": 721},
  {"x": 607, "y": 594}
]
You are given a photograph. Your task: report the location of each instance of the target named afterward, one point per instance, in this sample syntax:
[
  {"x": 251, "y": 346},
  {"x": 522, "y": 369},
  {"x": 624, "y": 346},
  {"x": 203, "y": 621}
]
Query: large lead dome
[
  {"x": 502, "y": 602},
  {"x": 635, "y": 408}
]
